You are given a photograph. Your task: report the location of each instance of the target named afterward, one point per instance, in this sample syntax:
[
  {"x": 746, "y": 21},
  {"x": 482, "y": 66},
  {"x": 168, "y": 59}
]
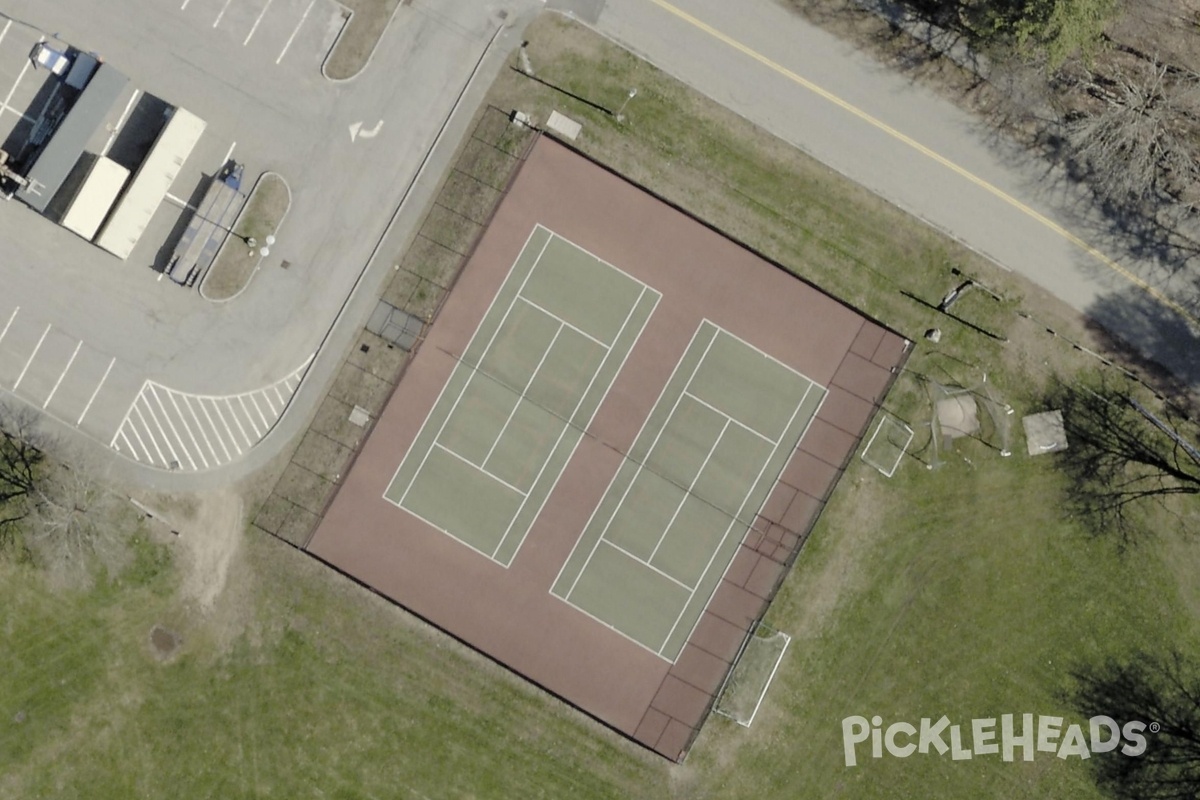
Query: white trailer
[
  {"x": 95, "y": 197},
  {"x": 151, "y": 183}
]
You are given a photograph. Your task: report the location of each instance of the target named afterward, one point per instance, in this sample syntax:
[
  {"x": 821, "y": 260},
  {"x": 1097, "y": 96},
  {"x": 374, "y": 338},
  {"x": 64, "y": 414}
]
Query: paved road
[{"x": 925, "y": 155}]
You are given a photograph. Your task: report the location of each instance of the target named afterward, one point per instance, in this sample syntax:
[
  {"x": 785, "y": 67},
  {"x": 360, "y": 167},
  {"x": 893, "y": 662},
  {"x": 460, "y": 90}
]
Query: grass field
[{"x": 960, "y": 591}]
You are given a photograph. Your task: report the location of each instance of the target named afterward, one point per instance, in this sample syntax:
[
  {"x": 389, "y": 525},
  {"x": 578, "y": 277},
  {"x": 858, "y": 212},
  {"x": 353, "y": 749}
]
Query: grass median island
[
  {"x": 959, "y": 591},
  {"x": 368, "y": 20},
  {"x": 236, "y": 262}
]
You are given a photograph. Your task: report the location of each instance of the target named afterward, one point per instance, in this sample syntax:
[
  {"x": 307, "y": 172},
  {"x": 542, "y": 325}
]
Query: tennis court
[
  {"x": 609, "y": 447},
  {"x": 679, "y": 505},
  {"x": 516, "y": 405}
]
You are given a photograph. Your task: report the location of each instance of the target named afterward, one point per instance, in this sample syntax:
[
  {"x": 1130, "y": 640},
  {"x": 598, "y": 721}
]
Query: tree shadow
[
  {"x": 1161, "y": 690},
  {"x": 1142, "y": 330},
  {"x": 1122, "y": 456}
]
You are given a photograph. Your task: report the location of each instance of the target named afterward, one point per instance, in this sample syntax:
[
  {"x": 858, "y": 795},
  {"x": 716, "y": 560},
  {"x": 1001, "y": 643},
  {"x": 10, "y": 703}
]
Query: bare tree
[
  {"x": 72, "y": 521},
  {"x": 1123, "y": 455},
  {"x": 1162, "y": 689},
  {"x": 1142, "y": 141},
  {"x": 21, "y": 463}
]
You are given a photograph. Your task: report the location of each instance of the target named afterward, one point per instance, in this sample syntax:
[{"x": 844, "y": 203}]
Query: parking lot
[
  {"x": 150, "y": 369},
  {"x": 290, "y": 33}
]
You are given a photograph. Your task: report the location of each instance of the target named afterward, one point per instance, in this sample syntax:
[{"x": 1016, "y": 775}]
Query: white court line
[
  {"x": 741, "y": 509},
  {"x": 617, "y": 471},
  {"x": 476, "y": 368},
  {"x": 211, "y": 424},
  {"x": 249, "y": 417},
  {"x": 182, "y": 421},
  {"x": 646, "y": 458},
  {"x": 650, "y": 566},
  {"x": 615, "y": 630},
  {"x": 7, "y": 325},
  {"x": 586, "y": 425},
  {"x": 505, "y": 484},
  {"x": 261, "y": 415},
  {"x": 120, "y": 121},
  {"x": 521, "y": 397},
  {"x": 63, "y": 374},
  {"x": 233, "y": 413},
  {"x": 92, "y": 399},
  {"x": 162, "y": 457},
  {"x": 170, "y": 424},
  {"x": 199, "y": 426},
  {"x": 596, "y": 257},
  {"x": 296, "y": 30},
  {"x": 562, "y": 321},
  {"x": 735, "y": 421},
  {"x": 246, "y": 41},
  {"x": 32, "y": 356},
  {"x": 220, "y": 416},
  {"x": 217, "y": 21},
  {"x": 688, "y": 493}
]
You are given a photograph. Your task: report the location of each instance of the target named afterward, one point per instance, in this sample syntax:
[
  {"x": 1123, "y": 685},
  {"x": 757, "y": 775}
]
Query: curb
[
  {"x": 225, "y": 243},
  {"x": 349, "y": 17}
]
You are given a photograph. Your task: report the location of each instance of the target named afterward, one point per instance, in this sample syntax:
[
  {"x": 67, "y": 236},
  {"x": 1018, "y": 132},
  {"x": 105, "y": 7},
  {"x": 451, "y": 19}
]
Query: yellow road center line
[{"x": 920, "y": 148}]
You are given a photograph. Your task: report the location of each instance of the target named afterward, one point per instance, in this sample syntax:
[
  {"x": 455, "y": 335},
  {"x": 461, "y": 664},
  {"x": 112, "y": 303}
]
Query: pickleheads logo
[{"x": 1047, "y": 735}]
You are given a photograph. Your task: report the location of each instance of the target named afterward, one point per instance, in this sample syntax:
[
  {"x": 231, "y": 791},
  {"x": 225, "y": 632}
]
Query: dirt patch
[
  {"x": 237, "y": 261},
  {"x": 164, "y": 643},
  {"x": 210, "y": 541}
]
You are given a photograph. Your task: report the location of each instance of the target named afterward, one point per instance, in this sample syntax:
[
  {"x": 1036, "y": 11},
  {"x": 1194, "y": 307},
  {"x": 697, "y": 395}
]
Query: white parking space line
[
  {"x": 225, "y": 7},
  {"x": 4, "y": 32},
  {"x": 199, "y": 426},
  {"x": 121, "y": 121},
  {"x": 250, "y": 36},
  {"x": 8, "y": 324},
  {"x": 186, "y": 426},
  {"x": 175, "y": 430},
  {"x": 249, "y": 418},
  {"x": 92, "y": 399},
  {"x": 129, "y": 446},
  {"x": 170, "y": 424},
  {"x": 32, "y": 356},
  {"x": 267, "y": 399},
  {"x": 295, "y": 31},
  {"x": 141, "y": 443},
  {"x": 233, "y": 413},
  {"x": 161, "y": 456},
  {"x": 16, "y": 83},
  {"x": 208, "y": 417},
  {"x": 63, "y": 374},
  {"x": 194, "y": 431}
]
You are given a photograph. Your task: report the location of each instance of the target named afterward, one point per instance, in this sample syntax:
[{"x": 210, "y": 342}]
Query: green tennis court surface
[
  {"x": 669, "y": 523},
  {"x": 516, "y": 405}
]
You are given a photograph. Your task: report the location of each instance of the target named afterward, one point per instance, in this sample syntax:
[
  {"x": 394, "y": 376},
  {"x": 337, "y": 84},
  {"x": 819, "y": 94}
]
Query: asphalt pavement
[{"x": 927, "y": 156}]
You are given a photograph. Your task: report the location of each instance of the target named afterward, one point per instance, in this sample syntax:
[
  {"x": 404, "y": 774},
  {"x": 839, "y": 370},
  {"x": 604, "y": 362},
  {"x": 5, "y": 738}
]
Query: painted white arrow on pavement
[{"x": 356, "y": 130}]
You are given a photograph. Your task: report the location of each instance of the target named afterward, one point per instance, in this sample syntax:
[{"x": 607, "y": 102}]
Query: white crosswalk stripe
[{"x": 177, "y": 430}]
